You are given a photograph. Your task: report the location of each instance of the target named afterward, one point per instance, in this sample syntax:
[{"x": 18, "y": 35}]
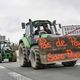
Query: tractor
[
  {"x": 39, "y": 47},
  {"x": 6, "y": 52}
]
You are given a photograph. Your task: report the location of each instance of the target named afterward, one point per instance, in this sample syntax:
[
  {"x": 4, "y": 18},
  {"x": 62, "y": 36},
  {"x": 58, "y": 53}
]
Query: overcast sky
[{"x": 13, "y": 12}]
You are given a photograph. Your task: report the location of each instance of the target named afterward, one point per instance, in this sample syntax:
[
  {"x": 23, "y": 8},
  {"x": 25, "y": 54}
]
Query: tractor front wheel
[
  {"x": 13, "y": 58},
  {"x": 35, "y": 58}
]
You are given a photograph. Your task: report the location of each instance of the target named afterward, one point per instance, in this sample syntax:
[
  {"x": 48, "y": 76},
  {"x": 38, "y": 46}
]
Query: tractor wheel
[
  {"x": 35, "y": 58},
  {"x": 23, "y": 59},
  {"x": 69, "y": 64},
  {"x": 10, "y": 59},
  {"x": 14, "y": 58},
  {"x": 0, "y": 58}
]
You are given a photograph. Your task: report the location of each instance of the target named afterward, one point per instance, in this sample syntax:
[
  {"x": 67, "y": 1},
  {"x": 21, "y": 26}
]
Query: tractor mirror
[
  {"x": 23, "y": 25},
  {"x": 59, "y": 25}
]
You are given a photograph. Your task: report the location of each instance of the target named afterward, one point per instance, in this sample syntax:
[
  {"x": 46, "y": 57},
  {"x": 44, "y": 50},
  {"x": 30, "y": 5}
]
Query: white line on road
[
  {"x": 18, "y": 76},
  {"x": 1, "y": 67}
]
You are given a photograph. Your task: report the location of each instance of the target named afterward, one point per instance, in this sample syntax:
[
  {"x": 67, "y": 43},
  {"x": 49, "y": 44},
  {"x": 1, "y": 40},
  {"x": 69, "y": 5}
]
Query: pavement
[{"x": 13, "y": 71}]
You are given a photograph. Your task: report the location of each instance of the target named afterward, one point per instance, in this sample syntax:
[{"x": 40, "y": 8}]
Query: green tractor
[
  {"x": 6, "y": 52},
  {"x": 40, "y": 46}
]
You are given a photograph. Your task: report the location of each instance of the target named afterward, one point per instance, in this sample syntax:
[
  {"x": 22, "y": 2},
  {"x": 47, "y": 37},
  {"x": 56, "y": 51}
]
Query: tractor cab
[{"x": 38, "y": 28}]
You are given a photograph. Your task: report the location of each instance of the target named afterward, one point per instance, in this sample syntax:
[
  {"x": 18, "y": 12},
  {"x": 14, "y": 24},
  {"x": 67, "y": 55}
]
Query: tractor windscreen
[
  {"x": 4, "y": 45},
  {"x": 42, "y": 26}
]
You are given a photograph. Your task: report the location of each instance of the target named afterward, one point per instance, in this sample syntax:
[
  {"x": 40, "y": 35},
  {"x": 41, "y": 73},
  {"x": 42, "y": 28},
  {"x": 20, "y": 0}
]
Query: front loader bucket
[{"x": 62, "y": 49}]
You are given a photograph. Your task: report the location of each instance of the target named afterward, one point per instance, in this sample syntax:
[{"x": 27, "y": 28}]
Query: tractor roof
[{"x": 39, "y": 23}]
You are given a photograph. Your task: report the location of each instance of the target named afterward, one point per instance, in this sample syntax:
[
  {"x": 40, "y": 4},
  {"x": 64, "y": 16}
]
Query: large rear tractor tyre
[
  {"x": 23, "y": 58},
  {"x": 35, "y": 58},
  {"x": 69, "y": 64},
  {"x": 0, "y": 58}
]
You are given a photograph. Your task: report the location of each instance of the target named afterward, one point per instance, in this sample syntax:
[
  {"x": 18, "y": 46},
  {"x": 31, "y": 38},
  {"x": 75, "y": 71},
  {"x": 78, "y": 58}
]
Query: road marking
[
  {"x": 18, "y": 76},
  {"x": 1, "y": 67}
]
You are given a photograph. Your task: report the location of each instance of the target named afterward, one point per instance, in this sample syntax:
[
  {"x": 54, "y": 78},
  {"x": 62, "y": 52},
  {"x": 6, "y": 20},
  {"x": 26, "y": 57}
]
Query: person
[
  {"x": 37, "y": 32},
  {"x": 47, "y": 29}
]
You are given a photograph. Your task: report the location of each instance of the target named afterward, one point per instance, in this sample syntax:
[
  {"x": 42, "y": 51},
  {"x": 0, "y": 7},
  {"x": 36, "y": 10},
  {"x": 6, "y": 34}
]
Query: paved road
[{"x": 12, "y": 71}]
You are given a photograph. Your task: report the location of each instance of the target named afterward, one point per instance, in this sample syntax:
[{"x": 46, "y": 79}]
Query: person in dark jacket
[
  {"x": 47, "y": 29},
  {"x": 37, "y": 32}
]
